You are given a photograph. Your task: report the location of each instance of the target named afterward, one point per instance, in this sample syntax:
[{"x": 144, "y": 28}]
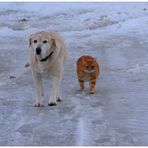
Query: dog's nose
[{"x": 38, "y": 50}]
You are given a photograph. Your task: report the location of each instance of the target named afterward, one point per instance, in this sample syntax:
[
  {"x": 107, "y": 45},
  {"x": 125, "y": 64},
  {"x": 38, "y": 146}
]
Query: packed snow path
[{"x": 117, "y": 114}]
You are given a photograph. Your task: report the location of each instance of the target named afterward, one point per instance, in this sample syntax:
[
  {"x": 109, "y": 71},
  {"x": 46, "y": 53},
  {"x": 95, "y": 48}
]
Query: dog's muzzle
[{"x": 38, "y": 50}]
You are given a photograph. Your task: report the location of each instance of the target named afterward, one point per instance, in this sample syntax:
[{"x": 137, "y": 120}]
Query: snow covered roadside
[{"x": 116, "y": 34}]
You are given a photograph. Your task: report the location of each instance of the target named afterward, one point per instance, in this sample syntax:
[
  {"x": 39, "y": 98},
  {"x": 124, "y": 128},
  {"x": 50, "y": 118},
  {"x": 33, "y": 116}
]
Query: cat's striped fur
[{"x": 87, "y": 70}]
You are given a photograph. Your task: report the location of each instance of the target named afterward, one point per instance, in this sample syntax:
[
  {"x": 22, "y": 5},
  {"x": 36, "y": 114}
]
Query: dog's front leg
[
  {"x": 39, "y": 89},
  {"x": 59, "y": 99},
  {"x": 54, "y": 91}
]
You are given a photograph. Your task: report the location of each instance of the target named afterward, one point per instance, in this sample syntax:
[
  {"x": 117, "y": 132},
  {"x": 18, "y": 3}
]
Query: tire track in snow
[
  {"x": 83, "y": 135},
  {"x": 85, "y": 114}
]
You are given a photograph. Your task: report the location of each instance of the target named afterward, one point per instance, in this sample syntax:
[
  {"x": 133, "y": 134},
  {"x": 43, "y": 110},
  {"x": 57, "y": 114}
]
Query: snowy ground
[{"x": 117, "y": 114}]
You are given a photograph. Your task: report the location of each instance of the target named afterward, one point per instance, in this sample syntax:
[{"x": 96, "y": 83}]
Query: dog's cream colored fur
[{"x": 53, "y": 66}]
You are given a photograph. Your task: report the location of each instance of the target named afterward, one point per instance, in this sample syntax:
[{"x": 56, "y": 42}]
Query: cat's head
[{"x": 89, "y": 65}]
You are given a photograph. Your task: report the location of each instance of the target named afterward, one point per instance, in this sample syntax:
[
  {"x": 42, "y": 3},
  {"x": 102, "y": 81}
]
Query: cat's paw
[
  {"x": 81, "y": 89},
  {"x": 91, "y": 92}
]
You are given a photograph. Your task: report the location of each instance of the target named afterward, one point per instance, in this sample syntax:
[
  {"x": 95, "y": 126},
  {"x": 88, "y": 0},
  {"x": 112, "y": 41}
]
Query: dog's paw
[
  {"x": 27, "y": 65},
  {"x": 52, "y": 104},
  {"x": 59, "y": 99},
  {"x": 39, "y": 105}
]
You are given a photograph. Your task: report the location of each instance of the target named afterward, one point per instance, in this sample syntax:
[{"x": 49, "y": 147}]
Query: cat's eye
[
  {"x": 92, "y": 67},
  {"x": 35, "y": 41},
  {"x": 87, "y": 67},
  {"x": 45, "y": 41}
]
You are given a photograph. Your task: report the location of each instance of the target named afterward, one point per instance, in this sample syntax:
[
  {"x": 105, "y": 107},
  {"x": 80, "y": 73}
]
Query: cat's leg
[
  {"x": 81, "y": 82},
  {"x": 92, "y": 84}
]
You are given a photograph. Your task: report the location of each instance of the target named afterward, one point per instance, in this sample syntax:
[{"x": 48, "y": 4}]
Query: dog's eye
[
  {"x": 45, "y": 41},
  {"x": 35, "y": 41}
]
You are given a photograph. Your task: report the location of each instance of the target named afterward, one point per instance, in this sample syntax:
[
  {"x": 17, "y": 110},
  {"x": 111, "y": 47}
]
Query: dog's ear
[
  {"x": 54, "y": 41},
  {"x": 29, "y": 42},
  {"x": 30, "y": 39},
  {"x": 53, "y": 44}
]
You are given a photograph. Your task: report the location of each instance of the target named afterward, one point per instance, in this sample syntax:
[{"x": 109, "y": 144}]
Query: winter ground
[{"x": 117, "y": 114}]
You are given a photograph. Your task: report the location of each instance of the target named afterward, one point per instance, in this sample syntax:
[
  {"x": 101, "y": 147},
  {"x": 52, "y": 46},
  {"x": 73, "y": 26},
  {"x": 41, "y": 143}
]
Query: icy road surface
[{"x": 117, "y": 114}]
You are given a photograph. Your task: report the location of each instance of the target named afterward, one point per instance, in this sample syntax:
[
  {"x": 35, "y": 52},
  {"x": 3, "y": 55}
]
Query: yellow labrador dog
[{"x": 47, "y": 52}]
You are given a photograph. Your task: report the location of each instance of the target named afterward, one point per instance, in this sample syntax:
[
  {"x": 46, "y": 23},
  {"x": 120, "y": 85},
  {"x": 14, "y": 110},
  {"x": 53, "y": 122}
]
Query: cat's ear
[
  {"x": 83, "y": 61},
  {"x": 95, "y": 59}
]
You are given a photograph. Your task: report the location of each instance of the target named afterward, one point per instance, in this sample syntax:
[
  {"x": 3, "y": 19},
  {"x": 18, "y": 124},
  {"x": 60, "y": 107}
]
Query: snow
[
  {"x": 82, "y": 136},
  {"x": 116, "y": 34}
]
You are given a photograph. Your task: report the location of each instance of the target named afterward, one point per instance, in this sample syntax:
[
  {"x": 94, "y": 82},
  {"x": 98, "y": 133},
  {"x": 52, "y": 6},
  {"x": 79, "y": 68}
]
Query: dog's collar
[{"x": 47, "y": 57}]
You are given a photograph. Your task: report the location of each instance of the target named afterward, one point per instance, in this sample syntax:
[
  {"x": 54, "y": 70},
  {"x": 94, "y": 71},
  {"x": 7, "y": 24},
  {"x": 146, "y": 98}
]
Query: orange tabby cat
[{"x": 87, "y": 70}]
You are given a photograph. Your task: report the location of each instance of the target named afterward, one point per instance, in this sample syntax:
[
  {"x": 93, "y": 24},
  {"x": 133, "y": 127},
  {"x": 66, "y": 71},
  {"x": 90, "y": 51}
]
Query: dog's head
[{"x": 42, "y": 44}]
